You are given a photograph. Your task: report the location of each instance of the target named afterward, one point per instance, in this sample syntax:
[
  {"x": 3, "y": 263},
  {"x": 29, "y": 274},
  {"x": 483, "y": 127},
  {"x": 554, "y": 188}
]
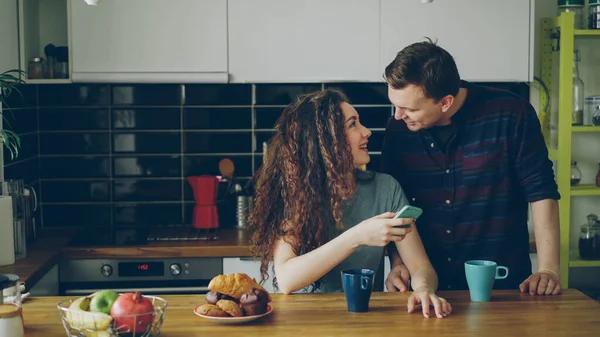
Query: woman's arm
[
  {"x": 296, "y": 272},
  {"x": 416, "y": 260},
  {"x": 424, "y": 280}
]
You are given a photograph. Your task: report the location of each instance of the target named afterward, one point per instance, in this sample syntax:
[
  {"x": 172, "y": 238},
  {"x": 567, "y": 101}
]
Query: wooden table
[{"x": 509, "y": 314}]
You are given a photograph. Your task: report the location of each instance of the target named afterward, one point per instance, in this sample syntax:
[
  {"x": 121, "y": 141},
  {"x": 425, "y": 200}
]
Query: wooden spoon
[{"x": 226, "y": 167}]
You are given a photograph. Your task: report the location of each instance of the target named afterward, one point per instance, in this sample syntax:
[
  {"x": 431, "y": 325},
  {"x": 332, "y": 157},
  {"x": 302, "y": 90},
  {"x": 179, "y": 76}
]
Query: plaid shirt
[{"x": 475, "y": 194}]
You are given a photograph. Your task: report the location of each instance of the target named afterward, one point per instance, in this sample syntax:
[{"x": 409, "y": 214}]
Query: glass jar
[
  {"x": 595, "y": 115},
  {"x": 598, "y": 176},
  {"x": 591, "y": 110},
  {"x": 594, "y": 14},
  {"x": 589, "y": 239},
  {"x": 575, "y": 173},
  {"x": 578, "y": 98},
  {"x": 35, "y": 69},
  {"x": 575, "y": 6}
]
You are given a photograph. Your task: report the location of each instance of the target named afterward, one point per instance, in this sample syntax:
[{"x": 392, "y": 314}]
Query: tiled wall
[{"x": 117, "y": 155}]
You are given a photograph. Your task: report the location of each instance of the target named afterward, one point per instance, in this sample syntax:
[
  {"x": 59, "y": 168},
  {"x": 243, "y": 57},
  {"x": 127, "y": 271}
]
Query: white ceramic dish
[{"x": 234, "y": 320}]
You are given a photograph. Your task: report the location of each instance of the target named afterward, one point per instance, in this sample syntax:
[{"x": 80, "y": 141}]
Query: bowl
[{"x": 80, "y": 323}]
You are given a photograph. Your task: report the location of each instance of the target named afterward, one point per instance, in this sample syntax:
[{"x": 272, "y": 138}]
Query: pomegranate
[{"x": 125, "y": 309}]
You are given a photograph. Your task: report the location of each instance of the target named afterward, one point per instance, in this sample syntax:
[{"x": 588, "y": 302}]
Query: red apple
[{"x": 129, "y": 304}]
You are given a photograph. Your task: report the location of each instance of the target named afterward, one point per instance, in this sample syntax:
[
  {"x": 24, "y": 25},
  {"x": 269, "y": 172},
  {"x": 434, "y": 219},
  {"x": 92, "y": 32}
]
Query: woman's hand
[
  {"x": 426, "y": 297},
  {"x": 379, "y": 230}
]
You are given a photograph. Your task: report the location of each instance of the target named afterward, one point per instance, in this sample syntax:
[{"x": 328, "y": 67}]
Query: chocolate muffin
[
  {"x": 254, "y": 302},
  {"x": 212, "y": 297}
]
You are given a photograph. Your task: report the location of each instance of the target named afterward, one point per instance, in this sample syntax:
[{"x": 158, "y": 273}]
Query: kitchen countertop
[
  {"x": 230, "y": 243},
  {"x": 42, "y": 255},
  {"x": 52, "y": 245},
  {"x": 509, "y": 314}
]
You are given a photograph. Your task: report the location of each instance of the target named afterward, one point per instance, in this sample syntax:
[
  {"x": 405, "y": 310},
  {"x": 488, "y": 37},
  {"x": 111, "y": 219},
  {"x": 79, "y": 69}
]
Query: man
[{"x": 472, "y": 158}]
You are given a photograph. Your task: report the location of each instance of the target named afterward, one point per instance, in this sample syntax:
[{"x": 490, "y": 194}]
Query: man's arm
[{"x": 534, "y": 171}]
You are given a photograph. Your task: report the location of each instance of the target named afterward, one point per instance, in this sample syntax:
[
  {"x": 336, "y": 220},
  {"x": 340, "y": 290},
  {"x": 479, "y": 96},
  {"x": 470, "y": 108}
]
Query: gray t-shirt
[{"x": 376, "y": 193}]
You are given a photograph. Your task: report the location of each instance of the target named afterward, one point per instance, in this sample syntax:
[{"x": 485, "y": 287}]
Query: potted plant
[{"x": 9, "y": 81}]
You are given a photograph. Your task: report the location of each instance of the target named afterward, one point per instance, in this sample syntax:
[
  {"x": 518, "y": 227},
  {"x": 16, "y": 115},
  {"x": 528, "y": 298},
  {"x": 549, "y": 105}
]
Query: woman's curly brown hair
[{"x": 301, "y": 187}]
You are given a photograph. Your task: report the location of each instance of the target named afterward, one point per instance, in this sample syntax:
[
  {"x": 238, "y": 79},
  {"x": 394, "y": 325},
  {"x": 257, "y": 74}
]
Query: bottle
[
  {"x": 575, "y": 173},
  {"x": 589, "y": 238},
  {"x": 575, "y": 6},
  {"x": 578, "y": 99}
]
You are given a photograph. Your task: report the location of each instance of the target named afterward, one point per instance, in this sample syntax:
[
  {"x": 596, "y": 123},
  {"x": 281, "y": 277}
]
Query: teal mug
[{"x": 481, "y": 275}]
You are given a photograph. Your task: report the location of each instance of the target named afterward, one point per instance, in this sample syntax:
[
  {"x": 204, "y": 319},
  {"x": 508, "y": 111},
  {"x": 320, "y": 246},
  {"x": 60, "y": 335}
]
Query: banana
[
  {"x": 79, "y": 316},
  {"x": 82, "y": 303}
]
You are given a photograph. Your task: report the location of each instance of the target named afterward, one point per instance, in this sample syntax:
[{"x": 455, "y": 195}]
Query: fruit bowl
[{"x": 79, "y": 323}]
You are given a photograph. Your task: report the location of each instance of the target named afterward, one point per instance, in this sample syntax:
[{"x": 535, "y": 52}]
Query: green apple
[{"x": 103, "y": 300}]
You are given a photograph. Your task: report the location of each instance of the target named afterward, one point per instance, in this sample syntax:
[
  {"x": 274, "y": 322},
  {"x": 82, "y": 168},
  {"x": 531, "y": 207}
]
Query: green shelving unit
[{"x": 559, "y": 41}]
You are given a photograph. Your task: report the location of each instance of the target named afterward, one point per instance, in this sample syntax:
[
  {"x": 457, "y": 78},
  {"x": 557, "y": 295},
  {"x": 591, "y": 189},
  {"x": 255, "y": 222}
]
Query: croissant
[{"x": 235, "y": 285}]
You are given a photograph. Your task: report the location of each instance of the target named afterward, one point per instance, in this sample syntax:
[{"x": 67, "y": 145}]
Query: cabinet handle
[{"x": 247, "y": 258}]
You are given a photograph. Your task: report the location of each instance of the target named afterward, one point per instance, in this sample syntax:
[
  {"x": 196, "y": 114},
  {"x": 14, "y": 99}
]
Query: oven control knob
[
  {"x": 175, "y": 269},
  {"x": 106, "y": 270}
]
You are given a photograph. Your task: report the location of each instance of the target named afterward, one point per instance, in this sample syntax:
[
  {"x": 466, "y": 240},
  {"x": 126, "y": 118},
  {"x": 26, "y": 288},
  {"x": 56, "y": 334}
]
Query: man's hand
[
  {"x": 543, "y": 282},
  {"x": 397, "y": 279}
]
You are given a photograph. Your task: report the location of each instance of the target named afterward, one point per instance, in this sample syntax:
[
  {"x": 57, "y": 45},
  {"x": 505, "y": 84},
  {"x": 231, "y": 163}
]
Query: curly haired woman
[{"x": 316, "y": 213}]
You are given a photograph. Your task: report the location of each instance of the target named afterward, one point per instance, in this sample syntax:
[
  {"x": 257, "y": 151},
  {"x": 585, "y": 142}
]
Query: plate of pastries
[{"x": 234, "y": 299}]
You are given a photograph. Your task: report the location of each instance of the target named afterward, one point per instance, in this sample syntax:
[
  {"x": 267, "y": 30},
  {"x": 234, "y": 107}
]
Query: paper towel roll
[{"x": 7, "y": 238}]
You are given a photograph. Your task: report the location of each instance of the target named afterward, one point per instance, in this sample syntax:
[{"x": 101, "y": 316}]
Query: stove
[{"x": 179, "y": 275}]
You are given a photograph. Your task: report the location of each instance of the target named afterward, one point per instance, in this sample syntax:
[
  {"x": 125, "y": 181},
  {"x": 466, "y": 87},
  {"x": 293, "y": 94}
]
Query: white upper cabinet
[
  {"x": 490, "y": 40},
  {"x": 150, "y": 41},
  {"x": 9, "y": 52},
  {"x": 304, "y": 40}
]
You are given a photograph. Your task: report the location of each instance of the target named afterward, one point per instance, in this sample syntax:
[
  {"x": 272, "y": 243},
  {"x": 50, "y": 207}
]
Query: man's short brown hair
[{"x": 425, "y": 65}]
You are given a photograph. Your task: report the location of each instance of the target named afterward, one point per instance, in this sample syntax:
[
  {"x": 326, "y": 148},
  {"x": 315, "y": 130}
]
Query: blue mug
[
  {"x": 481, "y": 275},
  {"x": 358, "y": 286}
]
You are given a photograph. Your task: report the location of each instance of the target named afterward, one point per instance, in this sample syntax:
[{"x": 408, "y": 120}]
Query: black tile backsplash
[
  {"x": 363, "y": 93},
  {"x": 146, "y": 119},
  {"x": 53, "y": 143},
  {"x": 266, "y": 118},
  {"x": 217, "y": 118},
  {"x": 218, "y": 94},
  {"x": 147, "y": 166},
  {"x": 67, "y": 118},
  {"x": 282, "y": 94},
  {"x": 150, "y": 214},
  {"x": 217, "y": 142},
  {"x": 73, "y": 95},
  {"x": 147, "y": 94},
  {"x": 74, "y": 167},
  {"x": 106, "y": 155},
  {"x": 76, "y": 215},
  {"x": 146, "y": 190},
  {"x": 76, "y": 191},
  {"x": 147, "y": 142}
]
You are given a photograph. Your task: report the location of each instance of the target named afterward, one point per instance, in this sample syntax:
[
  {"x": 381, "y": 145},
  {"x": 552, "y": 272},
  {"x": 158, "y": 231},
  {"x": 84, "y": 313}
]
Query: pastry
[
  {"x": 211, "y": 310},
  {"x": 213, "y": 297},
  {"x": 230, "y": 307},
  {"x": 235, "y": 285},
  {"x": 254, "y": 302}
]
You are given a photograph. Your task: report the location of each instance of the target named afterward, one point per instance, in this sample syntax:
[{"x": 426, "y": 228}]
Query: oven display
[{"x": 141, "y": 269}]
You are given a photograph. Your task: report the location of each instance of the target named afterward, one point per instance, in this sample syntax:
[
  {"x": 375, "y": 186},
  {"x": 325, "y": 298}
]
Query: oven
[{"x": 152, "y": 276}]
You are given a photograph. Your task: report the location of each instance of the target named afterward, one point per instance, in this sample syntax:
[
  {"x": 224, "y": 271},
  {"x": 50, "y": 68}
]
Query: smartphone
[{"x": 408, "y": 211}]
